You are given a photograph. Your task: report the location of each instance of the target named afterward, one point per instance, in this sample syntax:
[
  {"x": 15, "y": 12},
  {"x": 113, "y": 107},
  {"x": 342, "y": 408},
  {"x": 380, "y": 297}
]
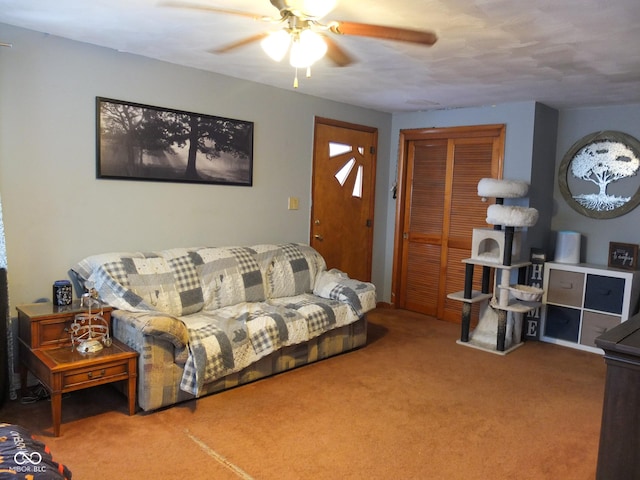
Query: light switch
[{"x": 293, "y": 203}]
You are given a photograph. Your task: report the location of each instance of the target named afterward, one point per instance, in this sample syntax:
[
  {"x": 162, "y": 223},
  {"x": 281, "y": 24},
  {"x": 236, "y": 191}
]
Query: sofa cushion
[
  {"x": 131, "y": 281},
  {"x": 166, "y": 281},
  {"x": 230, "y": 338},
  {"x": 334, "y": 284},
  {"x": 185, "y": 265},
  {"x": 320, "y": 314},
  {"x": 229, "y": 275},
  {"x": 290, "y": 269}
]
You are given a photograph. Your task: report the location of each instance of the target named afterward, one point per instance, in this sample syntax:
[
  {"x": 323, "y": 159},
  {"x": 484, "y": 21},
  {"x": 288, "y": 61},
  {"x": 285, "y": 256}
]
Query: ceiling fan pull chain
[
  {"x": 309, "y": 71},
  {"x": 295, "y": 80}
]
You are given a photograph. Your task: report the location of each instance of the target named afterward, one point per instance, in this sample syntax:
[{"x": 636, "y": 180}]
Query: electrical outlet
[{"x": 293, "y": 203}]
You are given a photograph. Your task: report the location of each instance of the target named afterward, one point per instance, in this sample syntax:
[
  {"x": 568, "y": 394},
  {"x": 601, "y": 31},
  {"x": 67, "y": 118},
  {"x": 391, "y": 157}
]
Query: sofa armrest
[
  {"x": 337, "y": 285},
  {"x": 162, "y": 355},
  {"x": 155, "y": 324}
]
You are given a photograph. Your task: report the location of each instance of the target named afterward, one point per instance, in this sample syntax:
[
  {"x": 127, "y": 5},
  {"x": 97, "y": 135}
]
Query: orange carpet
[{"x": 412, "y": 404}]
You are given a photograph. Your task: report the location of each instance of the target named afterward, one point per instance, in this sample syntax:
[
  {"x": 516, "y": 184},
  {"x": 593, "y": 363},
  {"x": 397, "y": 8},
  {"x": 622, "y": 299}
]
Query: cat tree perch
[{"x": 499, "y": 328}]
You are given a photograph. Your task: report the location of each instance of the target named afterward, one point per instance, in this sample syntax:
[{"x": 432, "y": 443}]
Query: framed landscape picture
[{"x": 143, "y": 142}]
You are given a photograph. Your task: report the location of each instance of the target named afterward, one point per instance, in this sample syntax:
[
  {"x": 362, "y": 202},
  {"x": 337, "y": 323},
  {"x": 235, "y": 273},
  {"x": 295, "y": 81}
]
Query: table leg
[
  {"x": 131, "y": 395},
  {"x": 56, "y": 412}
]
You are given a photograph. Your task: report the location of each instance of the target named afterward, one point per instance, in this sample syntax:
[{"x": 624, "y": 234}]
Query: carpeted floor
[{"x": 412, "y": 404}]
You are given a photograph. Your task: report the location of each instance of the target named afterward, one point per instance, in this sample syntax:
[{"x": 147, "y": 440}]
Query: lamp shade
[
  {"x": 306, "y": 49},
  {"x": 276, "y": 44}
]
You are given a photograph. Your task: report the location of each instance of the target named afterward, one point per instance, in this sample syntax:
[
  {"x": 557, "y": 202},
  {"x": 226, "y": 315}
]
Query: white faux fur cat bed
[
  {"x": 496, "y": 188},
  {"x": 511, "y": 216}
]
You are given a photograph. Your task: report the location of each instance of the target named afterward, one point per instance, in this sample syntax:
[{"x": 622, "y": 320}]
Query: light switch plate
[{"x": 293, "y": 203}]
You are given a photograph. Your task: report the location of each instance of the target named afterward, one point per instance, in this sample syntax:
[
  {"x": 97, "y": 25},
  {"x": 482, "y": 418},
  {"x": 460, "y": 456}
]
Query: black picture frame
[
  {"x": 150, "y": 143},
  {"x": 623, "y": 255}
]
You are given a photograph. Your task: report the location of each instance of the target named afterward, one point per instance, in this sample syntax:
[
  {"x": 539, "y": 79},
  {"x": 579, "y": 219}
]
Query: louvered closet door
[
  {"x": 438, "y": 210},
  {"x": 471, "y": 162},
  {"x": 424, "y": 216}
]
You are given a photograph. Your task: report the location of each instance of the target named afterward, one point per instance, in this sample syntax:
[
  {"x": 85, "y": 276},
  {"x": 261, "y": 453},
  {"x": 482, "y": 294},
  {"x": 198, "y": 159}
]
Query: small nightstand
[
  {"x": 45, "y": 325},
  {"x": 45, "y": 350}
]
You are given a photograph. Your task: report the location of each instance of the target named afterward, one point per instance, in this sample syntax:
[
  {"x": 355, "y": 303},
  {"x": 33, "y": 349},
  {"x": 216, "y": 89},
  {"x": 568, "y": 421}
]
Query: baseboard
[{"x": 385, "y": 305}]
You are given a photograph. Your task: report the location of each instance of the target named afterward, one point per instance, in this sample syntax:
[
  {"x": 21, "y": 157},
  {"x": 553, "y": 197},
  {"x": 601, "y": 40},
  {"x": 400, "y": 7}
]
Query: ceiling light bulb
[
  {"x": 276, "y": 44},
  {"x": 308, "y": 48}
]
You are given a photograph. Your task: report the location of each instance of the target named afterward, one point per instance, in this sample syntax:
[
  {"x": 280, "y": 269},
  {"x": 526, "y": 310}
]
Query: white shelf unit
[{"x": 582, "y": 301}]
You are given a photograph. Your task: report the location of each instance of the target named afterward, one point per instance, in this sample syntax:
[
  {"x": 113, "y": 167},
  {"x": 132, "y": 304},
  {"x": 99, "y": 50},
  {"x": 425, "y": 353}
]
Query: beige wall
[
  {"x": 55, "y": 210},
  {"x": 596, "y": 234}
]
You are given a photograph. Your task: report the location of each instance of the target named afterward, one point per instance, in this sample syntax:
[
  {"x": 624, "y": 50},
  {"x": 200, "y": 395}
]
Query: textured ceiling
[{"x": 565, "y": 53}]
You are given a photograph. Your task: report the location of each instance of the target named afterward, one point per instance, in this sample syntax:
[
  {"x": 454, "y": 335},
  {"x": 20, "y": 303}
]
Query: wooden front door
[
  {"x": 344, "y": 161},
  {"x": 437, "y": 209}
]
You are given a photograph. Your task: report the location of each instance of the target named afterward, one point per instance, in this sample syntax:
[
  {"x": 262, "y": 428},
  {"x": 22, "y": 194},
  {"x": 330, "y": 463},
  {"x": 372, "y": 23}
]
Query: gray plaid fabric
[
  {"x": 187, "y": 281},
  {"x": 251, "y": 274},
  {"x": 237, "y": 304},
  {"x": 320, "y": 316},
  {"x": 234, "y": 337},
  {"x": 360, "y": 296},
  {"x": 290, "y": 269}
]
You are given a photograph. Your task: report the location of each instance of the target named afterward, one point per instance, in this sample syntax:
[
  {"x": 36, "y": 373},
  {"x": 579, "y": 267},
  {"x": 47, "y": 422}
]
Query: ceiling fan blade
[
  {"x": 380, "y": 31},
  {"x": 240, "y": 43},
  {"x": 206, "y": 8},
  {"x": 337, "y": 54}
]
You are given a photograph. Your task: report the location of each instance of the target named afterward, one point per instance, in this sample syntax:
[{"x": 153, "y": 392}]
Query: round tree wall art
[{"x": 598, "y": 176}]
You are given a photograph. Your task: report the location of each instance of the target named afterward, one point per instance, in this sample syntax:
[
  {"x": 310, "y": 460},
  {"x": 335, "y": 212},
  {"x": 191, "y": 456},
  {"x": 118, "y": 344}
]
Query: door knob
[{"x": 318, "y": 237}]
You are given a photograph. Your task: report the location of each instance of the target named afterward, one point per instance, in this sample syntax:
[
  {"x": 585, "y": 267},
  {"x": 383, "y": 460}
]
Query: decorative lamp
[
  {"x": 276, "y": 44},
  {"x": 89, "y": 330},
  {"x": 307, "y": 48},
  {"x": 304, "y": 45}
]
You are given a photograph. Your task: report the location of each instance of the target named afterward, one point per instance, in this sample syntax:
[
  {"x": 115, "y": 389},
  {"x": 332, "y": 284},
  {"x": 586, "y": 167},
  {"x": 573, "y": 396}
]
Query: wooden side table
[
  {"x": 45, "y": 350},
  {"x": 45, "y": 325}
]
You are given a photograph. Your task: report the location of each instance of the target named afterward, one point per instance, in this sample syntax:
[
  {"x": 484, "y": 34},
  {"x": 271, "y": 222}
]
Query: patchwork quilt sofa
[{"x": 207, "y": 319}]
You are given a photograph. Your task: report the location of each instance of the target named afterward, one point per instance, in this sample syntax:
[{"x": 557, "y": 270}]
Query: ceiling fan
[{"x": 305, "y": 37}]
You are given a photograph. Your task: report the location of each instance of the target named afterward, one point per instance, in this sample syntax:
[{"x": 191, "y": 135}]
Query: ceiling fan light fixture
[
  {"x": 276, "y": 44},
  {"x": 306, "y": 49},
  {"x": 311, "y": 8}
]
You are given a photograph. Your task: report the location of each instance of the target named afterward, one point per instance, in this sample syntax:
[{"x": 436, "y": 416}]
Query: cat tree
[{"x": 497, "y": 249}]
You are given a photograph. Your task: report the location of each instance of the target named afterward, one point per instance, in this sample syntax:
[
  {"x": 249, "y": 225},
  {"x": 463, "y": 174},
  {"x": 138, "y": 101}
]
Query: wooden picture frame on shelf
[{"x": 623, "y": 255}]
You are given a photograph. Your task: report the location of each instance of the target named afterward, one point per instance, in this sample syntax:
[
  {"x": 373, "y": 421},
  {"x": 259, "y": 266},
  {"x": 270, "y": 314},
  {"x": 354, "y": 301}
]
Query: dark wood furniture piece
[
  {"x": 620, "y": 431},
  {"x": 4, "y": 357},
  {"x": 45, "y": 350}
]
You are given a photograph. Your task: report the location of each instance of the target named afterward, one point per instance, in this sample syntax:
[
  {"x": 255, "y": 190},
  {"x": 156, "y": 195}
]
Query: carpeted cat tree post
[{"x": 499, "y": 327}]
